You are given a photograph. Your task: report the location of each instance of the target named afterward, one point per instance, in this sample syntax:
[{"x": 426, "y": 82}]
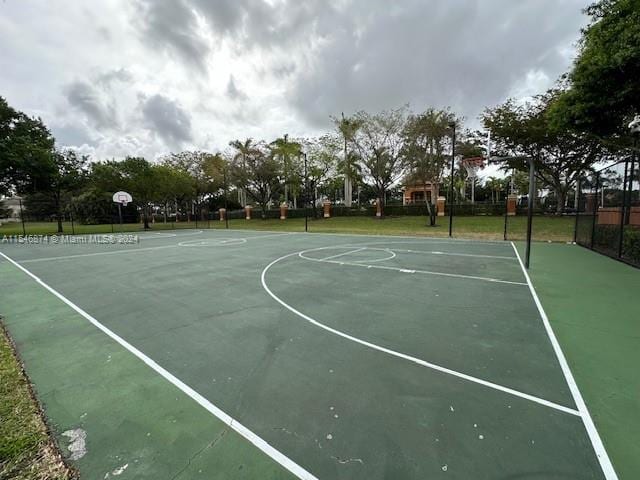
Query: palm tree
[
  {"x": 347, "y": 127},
  {"x": 286, "y": 150},
  {"x": 243, "y": 151}
]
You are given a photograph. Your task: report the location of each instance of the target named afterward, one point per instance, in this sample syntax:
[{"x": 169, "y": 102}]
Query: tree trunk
[
  {"x": 561, "y": 197},
  {"x": 58, "y": 212},
  {"x": 145, "y": 216},
  {"x": 428, "y": 204}
]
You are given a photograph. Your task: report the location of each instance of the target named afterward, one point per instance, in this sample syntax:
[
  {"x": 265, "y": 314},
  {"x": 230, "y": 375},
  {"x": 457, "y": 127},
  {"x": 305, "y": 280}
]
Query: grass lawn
[
  {"x": 26, "y": 451},
  {"x": 556, "y": 229}
]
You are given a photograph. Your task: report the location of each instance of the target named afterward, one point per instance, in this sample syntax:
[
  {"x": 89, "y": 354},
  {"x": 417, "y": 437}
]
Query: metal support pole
[
  {"x": 575, "y": 225},
  {"x": 306, "y": 195},
  {"x": 119, "y": 215},
  {"x": 623, "y": 208},
  {"x": 532, "y": 190},
  {"x": 595, "y": 211},
  {"x": 506, "y": 216},
  {"x": 453, "y": 156},
  {"x": 631, "y": 175},
  {"x": 24, "y": 231},
  {"x": 226, "y": 211}
]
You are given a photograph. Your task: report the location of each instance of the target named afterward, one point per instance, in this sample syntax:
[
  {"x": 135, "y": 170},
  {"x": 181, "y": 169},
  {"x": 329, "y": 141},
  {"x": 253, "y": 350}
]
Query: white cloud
[{"x": 145, "y": 77}]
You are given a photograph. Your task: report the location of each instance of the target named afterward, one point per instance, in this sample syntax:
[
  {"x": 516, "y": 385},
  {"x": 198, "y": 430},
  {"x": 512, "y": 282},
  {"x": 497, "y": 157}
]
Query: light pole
[
  {"x": 452, "y": 125},
  {"x": 306, "y": 195},
  {"x": 226, "y": 211}
]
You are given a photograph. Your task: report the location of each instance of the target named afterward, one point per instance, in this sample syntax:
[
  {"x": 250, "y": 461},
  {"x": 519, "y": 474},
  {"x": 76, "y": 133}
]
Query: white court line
[
  {"x": 418, "y": 361},
  {"x": 594, "y": 436},
  {"x": 132, "y": 250},
  {"x": 261, "y": 444},
  {"x": 404, "y": 270},
  {"x": 456, "y": 254},
  {"x": 341, "y": 254},
  {"x": 164, "y": 234},
  {"x": 95, "y": 254},
  {"x": 366, "y": 235}
]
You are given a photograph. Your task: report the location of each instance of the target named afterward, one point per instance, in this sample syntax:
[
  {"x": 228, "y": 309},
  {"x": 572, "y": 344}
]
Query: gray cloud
[
  {"x": 166, "y": 119},
  {"x": 465, "y": 54},
  {"x": 171, "y": 25},
  {"x": 99, "y": 110},
  {"x": 233, "y": 92}
]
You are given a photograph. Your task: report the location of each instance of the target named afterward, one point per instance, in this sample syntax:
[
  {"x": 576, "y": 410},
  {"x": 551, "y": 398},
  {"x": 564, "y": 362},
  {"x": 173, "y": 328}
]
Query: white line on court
[
  {"x": 594, "y": 436},
  {"x": 418, "y": 361},
  {"x": 134, "y": 250},
  {"x": 261, "y": 444},
  {"x": 95, "y": 254},
  {"x": 412, "y": 237},
  {"x": 342, "y": 254},
  {"x": 455, "y": 254},
  {"x": 404, "y": 270}
]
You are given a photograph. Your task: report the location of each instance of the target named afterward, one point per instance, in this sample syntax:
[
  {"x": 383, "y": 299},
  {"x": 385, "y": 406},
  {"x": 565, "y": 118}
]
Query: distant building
[{"x": 416, "y": 192}]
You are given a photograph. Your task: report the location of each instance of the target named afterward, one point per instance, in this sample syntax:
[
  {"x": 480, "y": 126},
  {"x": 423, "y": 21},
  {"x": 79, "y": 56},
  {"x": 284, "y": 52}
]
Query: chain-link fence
[
  {"x": 483, "y": 220},
  {"x": 608, "y": 218}
]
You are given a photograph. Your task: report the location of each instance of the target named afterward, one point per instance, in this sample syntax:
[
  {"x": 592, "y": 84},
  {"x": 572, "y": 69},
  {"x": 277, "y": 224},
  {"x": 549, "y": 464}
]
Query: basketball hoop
[
  {"x": 472, "y": 166},
  {"x": 122, "y": 198}
]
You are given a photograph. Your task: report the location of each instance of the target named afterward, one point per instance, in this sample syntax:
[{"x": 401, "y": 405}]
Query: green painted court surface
[{"x": 238, "y": 354}]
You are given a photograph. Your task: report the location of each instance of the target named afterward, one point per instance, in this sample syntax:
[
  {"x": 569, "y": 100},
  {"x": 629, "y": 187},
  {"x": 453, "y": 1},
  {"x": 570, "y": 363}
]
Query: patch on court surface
[{"x": 235, "y": 354}]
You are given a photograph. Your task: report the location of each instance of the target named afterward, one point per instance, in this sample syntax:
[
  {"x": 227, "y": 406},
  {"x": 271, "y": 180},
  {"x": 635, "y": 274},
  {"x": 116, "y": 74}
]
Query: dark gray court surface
[{"x": 235, "y": 354}]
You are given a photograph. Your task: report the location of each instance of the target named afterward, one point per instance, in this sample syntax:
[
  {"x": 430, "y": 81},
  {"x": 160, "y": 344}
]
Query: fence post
[
  {"x": 595, "y": 211},
  {"x": 575, "y": 226},
  {"x": 532, "y": 191},
  {"x": 506, "y": 216},
  {"x": 623, "y": 208},
  {"x": 24, "y": 230}
]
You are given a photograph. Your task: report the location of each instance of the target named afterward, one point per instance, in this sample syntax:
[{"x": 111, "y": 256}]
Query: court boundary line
[
  {"x": 418, "y": 361},
  {"x": 225, "y": 418},
  {"x": 330, "y": 259},
  {"x": 596, "y": 442},
  {"x": 143, "y": 249}
]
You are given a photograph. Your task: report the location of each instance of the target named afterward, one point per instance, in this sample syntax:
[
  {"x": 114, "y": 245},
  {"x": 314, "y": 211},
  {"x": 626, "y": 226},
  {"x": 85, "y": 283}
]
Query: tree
[
  {"x": 204, "y": 170},
  {"x": 604, "y": 92},
  {"x": 285, "y": 150},
  {"x": 378, "y": 143},
  {"x": 242, "y": 151},
  {"x": 26, "y": 147},
  {"x": 322, "y": 164},
  {"x": 426, "y": 137},
  {"x": 522, "y": 132},
  {"x": 347, "y": 127},
  {"x": 172, "y": 183},
  {"x": 259, "y": 175}
]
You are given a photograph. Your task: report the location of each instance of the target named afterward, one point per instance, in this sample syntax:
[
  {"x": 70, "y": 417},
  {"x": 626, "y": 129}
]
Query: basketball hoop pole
[
  {"x": 532, "y": 189},
  {"x": 120, "y": 214},
  {"x": 453, "y": 156}
]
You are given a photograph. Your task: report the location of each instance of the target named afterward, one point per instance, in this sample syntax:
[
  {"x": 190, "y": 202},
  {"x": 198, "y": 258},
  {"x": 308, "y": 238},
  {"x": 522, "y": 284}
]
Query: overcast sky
[{"x": 146, "y": 77}]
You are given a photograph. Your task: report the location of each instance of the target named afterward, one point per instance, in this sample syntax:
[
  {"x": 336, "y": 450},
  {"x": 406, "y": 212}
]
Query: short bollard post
[
  {"x": 511, "y": 205},
  {"x": 440, "y": 206},
  {"x": 223, "y": 214},
  {"x": 283, "y": 211},
  {"x": 327, "y": 209},
  {"x": 247, "y": 212}
]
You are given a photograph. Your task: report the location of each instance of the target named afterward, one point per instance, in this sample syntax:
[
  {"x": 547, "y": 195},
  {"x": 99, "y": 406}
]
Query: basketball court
[{"x": 239, "y": 354}]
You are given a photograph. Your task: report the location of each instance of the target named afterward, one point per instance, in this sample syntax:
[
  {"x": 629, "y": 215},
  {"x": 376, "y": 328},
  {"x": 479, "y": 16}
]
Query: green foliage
[
  {"x": 26, "y": 147},
  {"x": 604, "y": 91},
  {"x": 259, "y": 174},
  {"x": 525, "y": 131},
  {"x": 378, "y": 143}
]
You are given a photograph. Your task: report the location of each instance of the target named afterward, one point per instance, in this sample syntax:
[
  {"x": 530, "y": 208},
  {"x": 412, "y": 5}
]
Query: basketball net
[{"x": 472, "y": 166}]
